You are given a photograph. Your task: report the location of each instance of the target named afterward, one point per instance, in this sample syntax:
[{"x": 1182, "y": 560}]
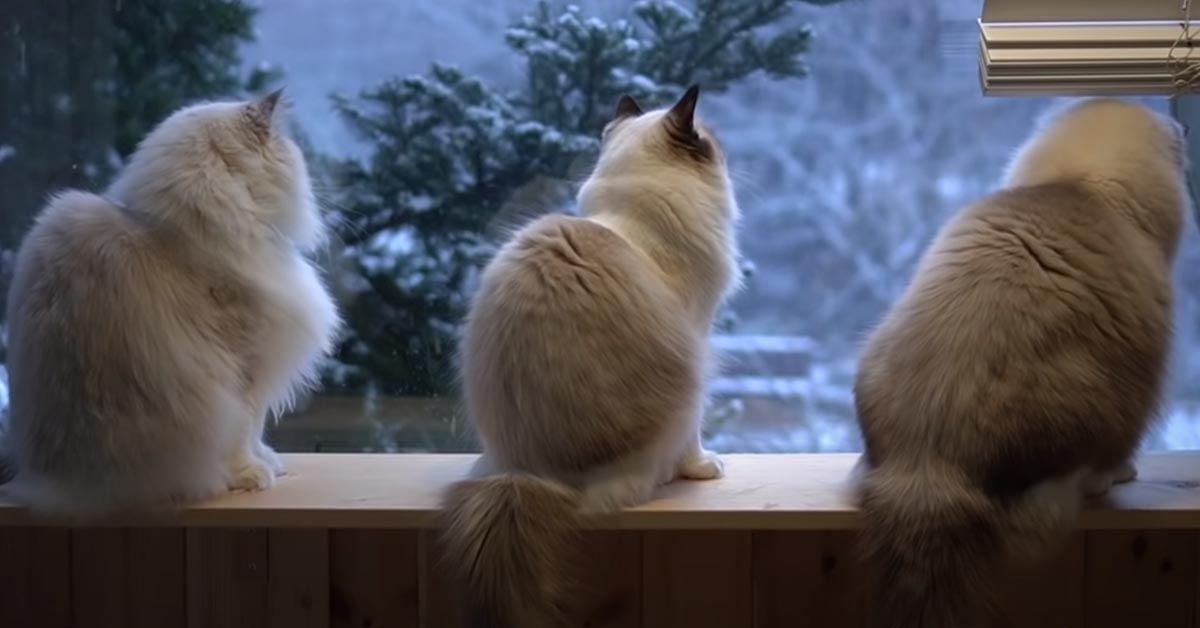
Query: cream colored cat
[
  {"x": 151, "y": 330},
  {"x": 585, "y": 358},
  {"x": 1026, "y": 358}
]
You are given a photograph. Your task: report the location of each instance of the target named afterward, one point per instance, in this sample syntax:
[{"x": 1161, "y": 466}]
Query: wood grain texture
[
  {"x": 35, "y": 577},
  {"x": 806, "y": 580},
  {"x": 436, "y": 605},
  {"x": 759, "y": 492},
  {"x": 1048, "y": 593},
  {"x": 693, "y": 579},
  {"x": 606, "y": 572},
  {"x": 608, "y": 577},
  {"x": 14, "y": 578},
  {"x": 138, "y": 578},
  {"x": 373, "y": 578},
  {"x": 155, "y": 577},
  {"x": 787, "y": 579},
  {"x": 844, "y": 579},
  {"x": 299, "y": 588},
  {"x": 1140, "y": 578},
  {"x": 227, "y": 578},
  {"x": 98, "y": 578}
]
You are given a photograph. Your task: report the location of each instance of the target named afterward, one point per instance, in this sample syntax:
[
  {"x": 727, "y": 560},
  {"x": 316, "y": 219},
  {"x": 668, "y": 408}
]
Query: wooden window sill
[{"x": 759, "y": 492}]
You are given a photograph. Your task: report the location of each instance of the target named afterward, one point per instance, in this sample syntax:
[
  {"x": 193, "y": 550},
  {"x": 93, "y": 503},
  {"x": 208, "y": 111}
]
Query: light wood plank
[
  {"x": 1049, "y": 593},
  {"x": 156, "y": 577},
  {"x": 373, "y": 578},
  {"x": 299, "y": 588},
  {"x": 760, "y": 492},
  {"x": 98, "y": 582},
  {"x": 227, "y": 578},
  {"x": 1145, "y": 578},
  {"x": 697, "y": 579}
]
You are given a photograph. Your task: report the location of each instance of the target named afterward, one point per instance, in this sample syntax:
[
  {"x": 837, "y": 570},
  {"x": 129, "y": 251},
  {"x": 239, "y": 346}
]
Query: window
[{"x": 845, "y": 169}]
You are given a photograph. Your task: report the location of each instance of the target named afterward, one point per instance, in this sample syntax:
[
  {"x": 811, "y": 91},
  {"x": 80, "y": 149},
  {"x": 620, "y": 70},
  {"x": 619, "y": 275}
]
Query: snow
[
  {"x": 3, "y": 390},
  {"x": 642, "y": 82},
  {"x": 420, "y": 202}
]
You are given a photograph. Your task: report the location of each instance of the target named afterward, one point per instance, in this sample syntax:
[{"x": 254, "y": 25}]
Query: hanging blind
[{"x": 1088, "y": 47}]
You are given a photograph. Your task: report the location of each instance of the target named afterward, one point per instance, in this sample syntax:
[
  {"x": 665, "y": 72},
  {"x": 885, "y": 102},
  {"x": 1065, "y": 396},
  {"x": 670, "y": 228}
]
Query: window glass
[{"x": 432, "y": 128}]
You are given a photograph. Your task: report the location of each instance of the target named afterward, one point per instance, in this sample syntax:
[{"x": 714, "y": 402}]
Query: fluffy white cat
[{"x": 153, "y": 328}]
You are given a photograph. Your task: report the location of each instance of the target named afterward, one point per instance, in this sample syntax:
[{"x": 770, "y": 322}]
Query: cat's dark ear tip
[
  {"x": 267, "y": 104},
  {"x": 627, "y": 106},
  {"x": 684, "y": 111},
  {"x": 272, "y": 99}
]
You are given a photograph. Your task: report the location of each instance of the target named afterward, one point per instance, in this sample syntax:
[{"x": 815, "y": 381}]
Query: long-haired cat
[
  {"x": 585, "y": 359},
  {"x": 1023, "y": 365},
  {"x": 152, "y": 329}
]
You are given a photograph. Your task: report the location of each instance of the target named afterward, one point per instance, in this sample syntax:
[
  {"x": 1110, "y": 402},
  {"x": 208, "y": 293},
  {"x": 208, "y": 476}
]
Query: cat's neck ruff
[{"x": 265, "y": 234}]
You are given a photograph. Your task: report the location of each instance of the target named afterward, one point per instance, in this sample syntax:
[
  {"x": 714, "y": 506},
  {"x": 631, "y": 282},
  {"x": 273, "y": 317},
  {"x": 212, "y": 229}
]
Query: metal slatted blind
[{"x": 1085, "y": 47}]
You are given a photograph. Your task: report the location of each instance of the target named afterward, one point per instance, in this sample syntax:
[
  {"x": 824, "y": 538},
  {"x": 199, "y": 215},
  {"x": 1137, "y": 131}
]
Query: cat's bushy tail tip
[
  {"x": 937, "y": 542},
  {"x": 505, "y": 541}
]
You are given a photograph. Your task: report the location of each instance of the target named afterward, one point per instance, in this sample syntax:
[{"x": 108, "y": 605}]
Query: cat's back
[
  {"x": 574, "y": 338},
  {"x": 96, "y": 295},
  {"x": 78, "y": 243},
  {"x": 1055, "y": 252},
  {"x": 1039, "y": 317},
  {"x": 567, "y": 264}
]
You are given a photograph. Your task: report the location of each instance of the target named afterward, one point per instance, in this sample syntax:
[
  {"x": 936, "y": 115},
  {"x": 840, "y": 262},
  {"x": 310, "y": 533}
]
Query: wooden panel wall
[{"x": 255, "y": 578}]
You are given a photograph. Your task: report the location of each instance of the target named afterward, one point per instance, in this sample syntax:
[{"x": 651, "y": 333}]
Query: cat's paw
[
  {"x": 1097, "y": 484},
  {"x": 268, "y": 456},
  {"x": 252, "y": 475},
  {"x": 1126, "y": 472},
  {"x": 702, "y": 465}
]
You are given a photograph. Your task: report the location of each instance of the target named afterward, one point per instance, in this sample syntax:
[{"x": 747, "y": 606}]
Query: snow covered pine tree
[{"x": 454, "y": 163}]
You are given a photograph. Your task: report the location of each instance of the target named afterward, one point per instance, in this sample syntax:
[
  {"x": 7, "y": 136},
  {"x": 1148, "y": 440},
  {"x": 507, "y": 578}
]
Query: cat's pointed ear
[
  {"x": 262, "y": 111},
  {"x": 682, "y": 115},
  {"x": 268, "y": 104},
  {"x": 627, "y": 107}
]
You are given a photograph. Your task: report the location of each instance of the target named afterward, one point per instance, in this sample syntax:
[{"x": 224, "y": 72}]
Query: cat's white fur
[
  {"x": 152, "y": 329},
  {"x": 585, "y": 357}
]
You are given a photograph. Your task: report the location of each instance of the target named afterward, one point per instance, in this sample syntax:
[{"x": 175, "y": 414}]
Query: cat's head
[
  {"x": 1118, "y": 145},
  {"x": 227, "y": 169},
  {"x": 669, "y": 145},
  {"x": 1096, "y": 137}
]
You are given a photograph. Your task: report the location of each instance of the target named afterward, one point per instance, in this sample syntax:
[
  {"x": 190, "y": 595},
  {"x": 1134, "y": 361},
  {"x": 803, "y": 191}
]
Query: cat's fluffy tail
[
  {"x": 937, "y": 542},
  {"x": 505, "y": 540}
]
